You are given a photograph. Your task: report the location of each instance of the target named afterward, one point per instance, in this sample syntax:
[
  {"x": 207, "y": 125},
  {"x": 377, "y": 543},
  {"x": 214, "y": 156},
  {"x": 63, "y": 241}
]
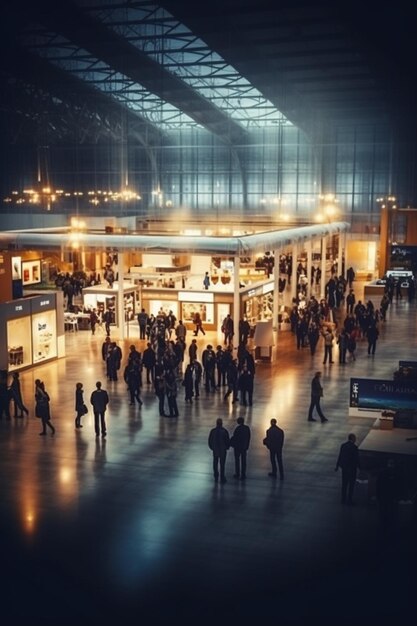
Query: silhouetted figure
[
  {"x": 274, "y": 441},
  {"x": 99, "y": 399},
  {"x": 219, "y": 443},
  {"x": 42, "y": 408},
  {"x": 16, "y": 396},
  {"x": 348, "y": 461},
  {"x": 316, "y": 394},
  {"x": 240, "y": 443},
  {"x": 80, "y": 407}
]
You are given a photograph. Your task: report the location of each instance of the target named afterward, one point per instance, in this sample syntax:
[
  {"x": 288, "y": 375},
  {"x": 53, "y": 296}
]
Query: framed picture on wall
[
  {"x": 31, "y": 272},
  {"x": 16, "y": 267}
]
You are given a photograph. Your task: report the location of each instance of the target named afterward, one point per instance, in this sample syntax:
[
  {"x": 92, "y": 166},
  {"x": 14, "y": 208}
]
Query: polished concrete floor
[{"x": 134, "y": 529}]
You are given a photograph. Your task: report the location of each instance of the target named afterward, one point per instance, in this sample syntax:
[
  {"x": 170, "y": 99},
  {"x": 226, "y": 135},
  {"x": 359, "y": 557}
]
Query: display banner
[
  {"x": 412, "y": 364},
  {"x": 373, "y": 396}
]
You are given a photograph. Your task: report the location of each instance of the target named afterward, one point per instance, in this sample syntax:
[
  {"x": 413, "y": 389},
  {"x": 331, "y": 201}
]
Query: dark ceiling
[{"x": 319, "y": 63}]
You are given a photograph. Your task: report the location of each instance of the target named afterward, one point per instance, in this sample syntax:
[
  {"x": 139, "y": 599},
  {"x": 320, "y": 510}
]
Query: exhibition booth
[{"x": 31, "y": 331}]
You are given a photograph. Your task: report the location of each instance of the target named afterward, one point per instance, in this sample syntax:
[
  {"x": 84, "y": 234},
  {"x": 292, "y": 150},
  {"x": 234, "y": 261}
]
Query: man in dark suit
[
  {"x": 99, "y": 399},
  {"x": 240, "y": 444},
  {"x": 219, "y": 443},
  {"x": 274, "y": 441},
  {"x": 316, "y": 394},
  {"x": 348, "y": 460}
]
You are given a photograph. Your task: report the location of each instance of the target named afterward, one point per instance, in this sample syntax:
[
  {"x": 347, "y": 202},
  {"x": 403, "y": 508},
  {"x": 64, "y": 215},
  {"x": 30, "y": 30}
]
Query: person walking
[
  {"x": 198, "y": 323},
  {"x": 16, "y": 395},
  {"x": 99, "y": 399},
  {"x": 348, "y": 461},
  {"x": 274, "y": 441},
  {"x": 42, "y": 408},
  {"x": 219, "y": 443},
  {"x": 240, "y": 443},
  {"x": 80, "y": 407},
  {"x": 316, "y": 394}
]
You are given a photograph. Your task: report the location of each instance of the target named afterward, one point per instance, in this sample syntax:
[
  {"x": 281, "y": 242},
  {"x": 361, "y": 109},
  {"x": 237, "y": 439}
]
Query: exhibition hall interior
[{"x": 208, "y": 222}]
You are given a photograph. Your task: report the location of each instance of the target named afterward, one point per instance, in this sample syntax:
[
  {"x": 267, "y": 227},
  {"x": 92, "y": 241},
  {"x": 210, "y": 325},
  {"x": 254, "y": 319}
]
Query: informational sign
[{"x": 373, "y": 396}]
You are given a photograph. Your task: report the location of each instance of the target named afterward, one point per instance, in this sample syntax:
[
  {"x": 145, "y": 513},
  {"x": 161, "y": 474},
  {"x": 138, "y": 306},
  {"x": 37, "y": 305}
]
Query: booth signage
[
  {"x": 380, "y": 395},
  {"x": 16, "y": 308},
  {"x": 43, "y": 303}
]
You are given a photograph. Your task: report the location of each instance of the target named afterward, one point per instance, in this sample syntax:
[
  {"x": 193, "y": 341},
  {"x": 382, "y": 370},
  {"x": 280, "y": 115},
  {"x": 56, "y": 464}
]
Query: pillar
[
  {"x": 294, "y": 271},
  {"x": 323, "y": 267},
  {"x": 309, "y": 251},
  {"x": 275, "y": 304},
  {"x": 120, "y": 303},
  {"x": 236, "y": 295}
]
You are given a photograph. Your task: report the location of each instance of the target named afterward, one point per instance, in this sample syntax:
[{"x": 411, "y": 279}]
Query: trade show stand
[{"x": 31, "y": 330}]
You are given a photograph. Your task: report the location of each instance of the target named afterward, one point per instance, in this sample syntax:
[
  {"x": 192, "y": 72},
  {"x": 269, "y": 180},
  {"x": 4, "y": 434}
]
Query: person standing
[
  {"x": 171, "y": 393},
  {"x": 372, "y": 335},
  {"x": 245, "y": 386},
  {"x": 16, "y": 396},
  {"x": 342, "y": 341},
  {"x": 348, "y": 461},
  {"x": 316, "y": 394},
  {"x": 350, "y": 302},
  {"x": 274, "y": 441},
  {"x": 350, "y": 276},
  {"x": 244, "y": 330},
  {"x": 209, "y": 365},
  {"x": 79, "y": 404},
  {"x": 42, "y": 409},
  {"x": 206, "y": 280},
  {"x": 219, "y": 443},
  {"x": 192, "y": 350},
  {"x": 99, "y": 399},
  {"x": 142, "y": 321},
  {"x": 93, "y": 321},
  {"x": 228, "y": 330},
  {"x": 181, "y": 333},
  {"x": 328, "y": 345},
  {"x": 107, "y": 319},
  {"x": 240, "y": 443},
  {"x": 149, "y": 360}
]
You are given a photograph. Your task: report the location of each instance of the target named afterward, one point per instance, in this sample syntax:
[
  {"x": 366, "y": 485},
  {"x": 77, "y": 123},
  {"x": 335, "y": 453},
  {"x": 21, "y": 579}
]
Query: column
[
  {"x": 120, "y": 303},
  {"x": 309, "y": 252},
  {"x": 294, "y": 271},
  {"x": 340, "y": 270},
  {"x": 323, "y": 267},
  {"x": 236, "y": 296},
  {"x": 275, "y": 304}
]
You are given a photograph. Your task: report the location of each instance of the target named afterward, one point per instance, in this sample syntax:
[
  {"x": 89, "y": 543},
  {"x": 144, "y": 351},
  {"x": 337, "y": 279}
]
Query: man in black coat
[
  {"x": 148, "y": 361},
  {"x": 316, "y": 394},
  {"x": 274, "y": 441},
  {"x": 99, "y": 399},
  {"x": 240, "y": 444},
  {"x": 348, "y": 460},
  {"x": 219, "y": 443}
]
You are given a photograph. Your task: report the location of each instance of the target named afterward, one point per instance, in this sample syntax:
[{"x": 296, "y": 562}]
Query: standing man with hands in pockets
[{"x": 240, "y": 444}]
